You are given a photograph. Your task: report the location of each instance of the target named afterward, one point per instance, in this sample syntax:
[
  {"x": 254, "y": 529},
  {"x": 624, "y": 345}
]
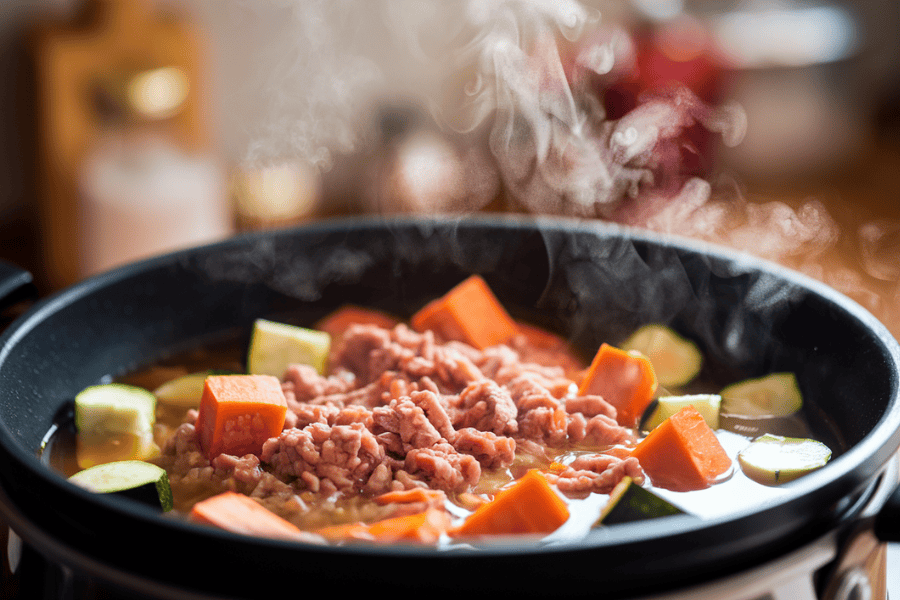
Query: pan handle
[{"x": 16, "y": 284}]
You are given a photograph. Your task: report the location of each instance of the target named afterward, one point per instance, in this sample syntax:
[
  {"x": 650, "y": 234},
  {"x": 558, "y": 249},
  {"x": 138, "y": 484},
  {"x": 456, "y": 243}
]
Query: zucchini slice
[
  {"x": 665, "y": 406},
  {"x": 116, "y": 408},
  {"x": 114, "y": 422},
  {"x": 276, "y": 346},
  {"x": 135, "y": 479},
  {"x": 773, "y": 459},
  {"x": 675, "y": 359},
  {"x": 630, "y": 502},
  {"x": 185, "y": 391},
  {"x": 775, "y": 395}
]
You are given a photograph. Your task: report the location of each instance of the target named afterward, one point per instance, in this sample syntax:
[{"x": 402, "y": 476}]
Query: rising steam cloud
[
  {"x": 309, "y": 75},
  {"x": 304, "y": 78}
]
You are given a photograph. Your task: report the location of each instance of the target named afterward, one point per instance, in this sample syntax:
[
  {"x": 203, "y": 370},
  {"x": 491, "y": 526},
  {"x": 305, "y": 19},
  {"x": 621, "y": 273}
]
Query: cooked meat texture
[{"x": 399, "y": 410}]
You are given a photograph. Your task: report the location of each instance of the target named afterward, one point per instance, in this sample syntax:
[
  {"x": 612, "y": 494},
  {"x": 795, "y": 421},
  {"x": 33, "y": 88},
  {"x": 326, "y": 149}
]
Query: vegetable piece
[
  {"x": 554, "y": 345},
  {"x": 630, "y": 502},
  {"x": 623, "y": 378},
  {"x": 185, "y": 391},
  {"x": 773, "y": 459},
  {"x": 664, "y": 407},
  {"x": 468, "y": 313},
  {"x": 238, "y": 413},
  {"x": 530, "y": 506},
  {"x": 135, "y": 479},
  {"x": 114, "y": 422},
  {"x": 774, "y": 395},
  {"x": 241, "y": 514},
  {"x": 410, "y": 496},
  {"x": 115, "y": 407},
  {"x": 276, "y": 346},
  {"x": 423, "y": 528},
  {"x": 675, "y": 359},
  {"x": 336, "y": 323},
  {"x": 541, "y": 338},
  {"x": 683, "y": 453}
]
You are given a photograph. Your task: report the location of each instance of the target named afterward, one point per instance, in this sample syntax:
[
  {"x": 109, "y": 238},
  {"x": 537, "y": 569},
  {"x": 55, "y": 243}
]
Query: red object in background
[{"x": 677, "y": 53}]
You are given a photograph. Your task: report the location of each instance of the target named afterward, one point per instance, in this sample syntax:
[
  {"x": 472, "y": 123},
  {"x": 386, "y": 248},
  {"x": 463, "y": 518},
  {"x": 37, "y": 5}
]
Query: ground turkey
[{"x": 399, "y": 410}]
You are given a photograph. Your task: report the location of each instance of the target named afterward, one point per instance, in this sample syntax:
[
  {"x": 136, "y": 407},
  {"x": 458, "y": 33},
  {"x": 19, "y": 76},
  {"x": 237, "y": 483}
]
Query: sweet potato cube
[
  {"x": 419, "y": 528},
  {"x": 530, "y": 506},
  {"x": 623, "y": 378},
  {"x": 468, "y": 313},
  {"x": 554, "y": 345},
  {"x": 683, "y": 453},
  {"x": 336, "y": 323},
  {"x": 238, "y": 413},
  {"x": 424, "y": 528},
  {"x": 240, "y": 514}
]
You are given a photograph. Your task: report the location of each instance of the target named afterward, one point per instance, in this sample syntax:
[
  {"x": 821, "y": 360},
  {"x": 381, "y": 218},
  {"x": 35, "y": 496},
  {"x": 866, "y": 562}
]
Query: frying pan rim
[{"x": 879, "y": 443}]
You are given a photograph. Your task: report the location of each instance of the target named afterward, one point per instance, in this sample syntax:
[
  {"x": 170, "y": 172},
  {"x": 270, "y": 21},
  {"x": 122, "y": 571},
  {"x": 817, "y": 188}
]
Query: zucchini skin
[{"x": 630, "y": 502}]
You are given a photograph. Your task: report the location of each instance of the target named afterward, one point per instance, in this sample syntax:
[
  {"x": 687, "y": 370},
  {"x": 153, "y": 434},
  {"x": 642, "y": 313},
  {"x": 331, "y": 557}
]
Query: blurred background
[{"x": 134, "y": 127}]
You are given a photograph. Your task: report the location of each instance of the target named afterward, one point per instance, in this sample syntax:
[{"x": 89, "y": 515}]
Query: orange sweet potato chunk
[
  {"x": 530, "y": 506},
  {"x": 624, "y": 379},
  {"x": 468, "y": 313},
  {"x": 683, "y": 453},
  {"x": 240, "y": 514},
  {"x": 238, "y": 413},
  {"x": 419, "y": 528},
  {"x": 555, "y": 348},
  {"x": 336, "y": 323}
]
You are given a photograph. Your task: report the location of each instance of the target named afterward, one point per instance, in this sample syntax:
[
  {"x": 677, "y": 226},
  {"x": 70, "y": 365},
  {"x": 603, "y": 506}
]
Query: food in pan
[
  {"x": 274, "y": 345},
  {"x": 675, "y": 359},
  {"x": 663, "y": 407},
  {"x": 774, "y": 395},
  {"x": 462, "y": 425},
  {"x": 632, "y": 502},
  {"x": 773, "y": 459},
  {"x": 135, "y": 479},
  {"x": 114, "y": 421}
]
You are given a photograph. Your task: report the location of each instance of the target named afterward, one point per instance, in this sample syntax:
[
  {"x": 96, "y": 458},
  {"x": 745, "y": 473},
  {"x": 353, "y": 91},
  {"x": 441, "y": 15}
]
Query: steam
[
  {"x": 293, "y": 77},
  {"x": 513, "y": 91},
  {"x": 880, "y": 248},
  {"x": 556, "y": 151},
  {"x": 305, "y": 78}
]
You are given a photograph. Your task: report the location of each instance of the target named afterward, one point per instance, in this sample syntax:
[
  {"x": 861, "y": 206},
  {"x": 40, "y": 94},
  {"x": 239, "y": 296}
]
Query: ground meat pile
[{"x": 399, "y": 410}]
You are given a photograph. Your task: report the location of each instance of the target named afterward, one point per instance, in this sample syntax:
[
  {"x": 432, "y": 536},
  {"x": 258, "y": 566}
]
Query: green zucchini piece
[
  {"x": 676, "y": 360},
  {"x": 276, "y": 346},
  {"x": 186, "y": 391},
  {"x": 665, "y": 406},
  {"x": 773, "y": 459},
  {"x": 135, "y": 479},
  {"x": 774, "y": 395},
  {"x": 114, "y": 422},
  {"x": 115, "y": 408},
  {"x": 630, "y": 502}
]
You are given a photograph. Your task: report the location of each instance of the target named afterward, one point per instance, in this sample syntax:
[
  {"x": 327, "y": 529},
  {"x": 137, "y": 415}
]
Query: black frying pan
[{"x": 589, "y": 281}]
